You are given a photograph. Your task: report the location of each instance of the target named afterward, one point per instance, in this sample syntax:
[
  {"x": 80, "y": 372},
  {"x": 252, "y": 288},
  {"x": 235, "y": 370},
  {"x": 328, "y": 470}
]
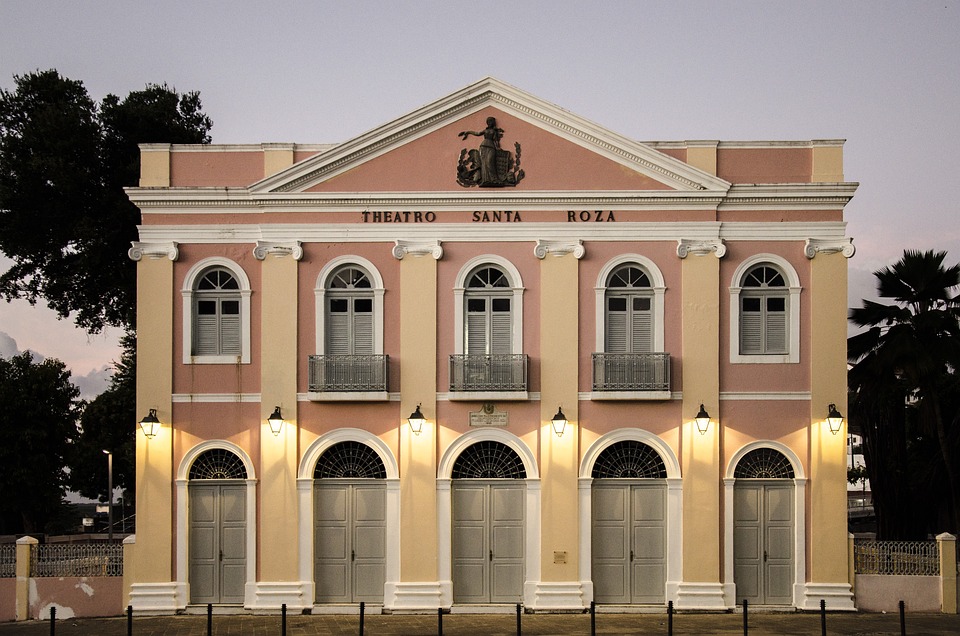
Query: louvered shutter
[
  {"x": 642, "y": 326},
  {"x": 501, "y": 330},
  {"x": 230, "y": 327},
  {"x": 363, "y": 333},
  {"x": 751, "y": 325},
  {"x": 617, "y": 325},
  {"x": 206, "y": 334},
  {"x": 775, "y": 329},
  {"x": 338, "y": 327},
  {"x": 476, "y": 326}
]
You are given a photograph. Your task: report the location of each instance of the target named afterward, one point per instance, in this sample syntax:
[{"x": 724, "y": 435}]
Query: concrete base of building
[
  {"x": 561, "y": 596},
  {"x": 158, "y": 598},
  {"x": 837, "y": 596},
  {"x": 416, "y": 597},
  {"x": 700, "y": 596},
  {"x": 266, "y": 595}
]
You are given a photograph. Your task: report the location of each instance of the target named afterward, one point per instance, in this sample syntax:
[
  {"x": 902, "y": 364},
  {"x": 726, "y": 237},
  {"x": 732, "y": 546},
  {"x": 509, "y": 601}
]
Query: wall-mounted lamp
[
  {"x": 559, "y": 422},
  {"x": 416, "y": 421},
  {"x": 150, "y": 424},
  {"x": 834, "y": 419},
  {"x": 275, "y": 421},
  {"x": 703, "y": 420}
]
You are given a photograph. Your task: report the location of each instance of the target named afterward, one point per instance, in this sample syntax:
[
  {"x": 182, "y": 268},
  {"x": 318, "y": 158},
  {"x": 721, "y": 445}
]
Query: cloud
[
  {"x": 8, "y": 346},
  {"x": 94, "y": 382}
]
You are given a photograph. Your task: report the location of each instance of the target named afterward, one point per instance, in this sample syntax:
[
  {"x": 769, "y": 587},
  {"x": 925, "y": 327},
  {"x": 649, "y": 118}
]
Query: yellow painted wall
[
  {"x": 559, "y": 456},
  {"x": 700, "y": 454},
  {"x": 703, "y": 155},
  {"x": 278, "y": 454},
  {"x": 153, "y": 554},
  {"x": 154, "y": 165},
  {"x": 827, "y": 162},
  {"x": 418, "y": 453},
  {"x": 276, "y": 157},
  {"x": 828, "y": 463}
]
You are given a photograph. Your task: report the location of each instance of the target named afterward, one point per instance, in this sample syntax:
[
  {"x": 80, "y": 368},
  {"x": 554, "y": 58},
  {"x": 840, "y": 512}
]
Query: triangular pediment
[{"x": 556, "y": 150}]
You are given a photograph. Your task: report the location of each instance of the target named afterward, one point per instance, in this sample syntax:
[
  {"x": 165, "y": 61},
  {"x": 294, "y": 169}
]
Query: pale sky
[{"x": 882, "y": 75}]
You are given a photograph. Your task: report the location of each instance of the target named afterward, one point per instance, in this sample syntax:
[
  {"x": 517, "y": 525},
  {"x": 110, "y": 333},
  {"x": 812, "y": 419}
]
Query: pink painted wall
[
  {"x": 209, "y": 168},
  {"x": 80, "y": 597},
  {"x": 765, "y": 165},
  {"x": 8, "y": 599}
]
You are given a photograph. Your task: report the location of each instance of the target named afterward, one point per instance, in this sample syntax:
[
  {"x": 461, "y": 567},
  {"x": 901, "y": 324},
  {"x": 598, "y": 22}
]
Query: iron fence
[
  {"x": 77, "y": 559},
  {"x": 916, "y": 558},
  {"x": 495, "y": 372},
  {"x": 347, "y": 373},
  {"x": 8, "y": 560},
  {"x": 631, "y": 372}
]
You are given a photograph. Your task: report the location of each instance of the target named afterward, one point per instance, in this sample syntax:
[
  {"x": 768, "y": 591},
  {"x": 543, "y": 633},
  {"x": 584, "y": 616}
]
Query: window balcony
[
  {"x": 346, "y": 378},
  {"x": 488, "y": 377},
  {"x": 631, "y": 376}
]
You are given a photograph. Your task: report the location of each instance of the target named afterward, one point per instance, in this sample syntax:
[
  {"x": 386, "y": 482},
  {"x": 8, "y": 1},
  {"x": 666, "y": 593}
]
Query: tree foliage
[
  {"x": 64, "y": 218},
  {"x": 906, "y": 393},
  {"x": 39, "y": 410}
]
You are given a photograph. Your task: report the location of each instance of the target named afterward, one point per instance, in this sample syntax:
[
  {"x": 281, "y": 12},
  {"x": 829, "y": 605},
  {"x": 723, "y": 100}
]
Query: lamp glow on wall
[
  {"x": 416, "y": 421},
  {"x": 559, "y": 422},
  {"x": 150, "y": 425},
  {"x": 834, "y": 419},
  {"x": 703, "y": 420},
  {"x": 275, "y": 421}
]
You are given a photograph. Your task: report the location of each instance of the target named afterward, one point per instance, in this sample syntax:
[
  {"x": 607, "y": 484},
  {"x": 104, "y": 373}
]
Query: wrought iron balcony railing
[
  {"x": 496, "y": 372},
  {"x": 355, "y": 373},
  {"x": 631, "y": 372}
]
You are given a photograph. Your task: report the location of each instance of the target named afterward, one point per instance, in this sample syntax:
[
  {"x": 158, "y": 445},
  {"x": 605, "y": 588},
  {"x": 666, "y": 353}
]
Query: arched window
[
  {"x": 217, "y": 323},
  {"x": 763, "y": 311},
  {"x": 488, "y": 459},
  {"x": 629, "y": 311},
  {"x": 488, "y": 309},
  {"x": 629, "y": 459},
  {"x": 349, "y": 312},
  {"x": 350, "y": 459},
  {"x": 218, "y": 463},
  {"x": 764, "y": 463}
]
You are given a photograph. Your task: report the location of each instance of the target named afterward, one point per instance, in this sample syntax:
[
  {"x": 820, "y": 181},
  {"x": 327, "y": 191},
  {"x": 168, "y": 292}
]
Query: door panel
[
  {"x": 217, "y": 542},
  {"x": 629, "y": 541},
  {"x": 763, "y": 541}
]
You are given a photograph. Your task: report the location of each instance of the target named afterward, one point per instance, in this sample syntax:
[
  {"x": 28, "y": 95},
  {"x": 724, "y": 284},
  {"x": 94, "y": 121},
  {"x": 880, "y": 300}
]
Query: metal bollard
[
  {"x": 669, "y": 618},
  {"x": 53, "y": 620},
  {"x": 129, "y": 620},
  {"x": 283, "y": 619},
  {"x": 745, "y": 608},
  {"x": 439, "y": 621},
  {"x": 209, "y": 619},
  {"x": 823, "y": 617},
  {"x": 903, "y": 621},
  {"x": 519, "y": 631},
  {"x": 593, "y": 618},
  {"x": 361, "y": 617}
]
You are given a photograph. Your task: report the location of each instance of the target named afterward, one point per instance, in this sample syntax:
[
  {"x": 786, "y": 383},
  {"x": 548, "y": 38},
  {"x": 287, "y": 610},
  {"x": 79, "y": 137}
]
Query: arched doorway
[
  {"x": 350, "y": 524},
  {"x": 764, "y": 523},
  {"x": 629, "y": 531},
  {"x": 488, "y": 504},
  {"x": 217, "y": 493}
]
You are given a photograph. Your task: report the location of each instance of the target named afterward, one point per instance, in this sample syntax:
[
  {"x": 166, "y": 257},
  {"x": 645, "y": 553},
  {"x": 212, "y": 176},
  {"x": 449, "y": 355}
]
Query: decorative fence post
[
  {"x": 948, "y": 572},
  {"x": 24, "y": 556},
  {"x": 852, "y": 566}
]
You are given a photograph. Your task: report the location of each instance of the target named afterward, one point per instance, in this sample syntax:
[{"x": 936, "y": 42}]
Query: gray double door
[
  {"x": 488, "y": 540},
  {"x": 350, "y": 540},
  {"x": 217, "y": 553},
  {"x": 763, "y": 541},
  {"x": 629, "y": 540}
]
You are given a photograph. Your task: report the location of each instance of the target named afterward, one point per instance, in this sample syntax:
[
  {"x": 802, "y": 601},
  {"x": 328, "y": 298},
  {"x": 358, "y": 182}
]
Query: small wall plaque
[
  {"x": 488, "y": 416},
  {"x": 559, "y": 557}
]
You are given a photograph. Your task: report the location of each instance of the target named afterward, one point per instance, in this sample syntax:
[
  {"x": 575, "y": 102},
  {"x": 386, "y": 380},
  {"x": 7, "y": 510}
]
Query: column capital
[
  {"x": 829, "y": 246},
  {"x": 417, "y": 248},
  {"x": 559, "y": 248},
  {"x": 153, "y": 250},
  {"x": 686, "y": 247},
  {"x": 278, "y": 249}
]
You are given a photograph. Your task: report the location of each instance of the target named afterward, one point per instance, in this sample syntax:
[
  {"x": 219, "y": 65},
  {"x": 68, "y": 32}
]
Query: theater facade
[{"x": 491, "y": 353}]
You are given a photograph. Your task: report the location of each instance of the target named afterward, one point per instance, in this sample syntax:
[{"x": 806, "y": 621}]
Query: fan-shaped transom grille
[
  {"x": 349, "y": 277},
  {"x": 351, "y": 460},
  {"x": 489, "y": 460},
  {"x": 763, "y": 276},
  {"x": 488, "y": 277},
  {"x": 629, "y": 460},
  {"x": 629, "y": 276},
  {"x": 218, "y": 463},
  {"x": 764, "y": 463},
  {"x": 217, "y": 279}
]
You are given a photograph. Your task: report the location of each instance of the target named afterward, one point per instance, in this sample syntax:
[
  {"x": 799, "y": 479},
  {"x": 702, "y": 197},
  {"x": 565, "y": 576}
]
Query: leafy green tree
[
  {"x": 64, "y": 218},
  {"x": 904, "y": 377},
  {"x": 39, "y": 410}
]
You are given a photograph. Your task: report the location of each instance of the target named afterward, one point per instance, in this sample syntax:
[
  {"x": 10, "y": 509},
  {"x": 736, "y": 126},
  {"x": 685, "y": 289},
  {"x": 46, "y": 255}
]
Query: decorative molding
[
  {"x": 559, "y": 248},
  {"x": 417, "y": 248},
  {"x": 418, "y": 596},
  {"x": 829, "y": 246},
  {"x": 153, "y": 250},
  {"x": 837, "y": 596},
  {"x": 555, "y": 596},
  {"x": 268, "y": 595},
  {"x": 215, "y": 398},
  {"x": 700, "y": 596},
  {"x": 278, "y": 249},
  {"x": 701, "y": 247}
]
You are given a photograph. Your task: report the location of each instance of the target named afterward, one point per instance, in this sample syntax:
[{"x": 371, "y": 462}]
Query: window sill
[
  {"x": 600, "y": 396},
  {"x": 488, "y": 396},
  {"x": 348, "y": 396},
  {"x": 216, "y": 360}
]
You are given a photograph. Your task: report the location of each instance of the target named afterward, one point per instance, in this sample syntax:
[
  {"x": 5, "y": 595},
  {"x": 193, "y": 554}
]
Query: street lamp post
[{"x": 109, "y": 495}]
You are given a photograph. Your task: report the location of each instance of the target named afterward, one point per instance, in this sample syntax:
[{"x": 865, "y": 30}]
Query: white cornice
[{"x": 833, "y": 231}]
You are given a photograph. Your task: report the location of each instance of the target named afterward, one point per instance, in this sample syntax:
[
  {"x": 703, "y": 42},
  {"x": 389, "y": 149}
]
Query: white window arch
[
  {"x": 349, "y": 307},
  {"x": 502, "y": 296},
  {"x": 216, "y": 313},
  {"x": 654, "y": 291},
  {"x": 765, "y": 311}
]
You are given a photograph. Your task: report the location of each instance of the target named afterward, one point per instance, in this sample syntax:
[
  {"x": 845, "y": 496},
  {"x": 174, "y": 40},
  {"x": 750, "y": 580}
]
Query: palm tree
[{"x": 910, "y": 352}]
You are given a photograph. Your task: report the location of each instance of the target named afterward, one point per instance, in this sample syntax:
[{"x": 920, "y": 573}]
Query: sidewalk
[{"x": 807, "y": 624}]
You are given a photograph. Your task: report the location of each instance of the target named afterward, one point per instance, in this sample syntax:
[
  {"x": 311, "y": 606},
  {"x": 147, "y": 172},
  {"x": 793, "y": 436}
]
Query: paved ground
[{"x": 807, "y": 624}]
